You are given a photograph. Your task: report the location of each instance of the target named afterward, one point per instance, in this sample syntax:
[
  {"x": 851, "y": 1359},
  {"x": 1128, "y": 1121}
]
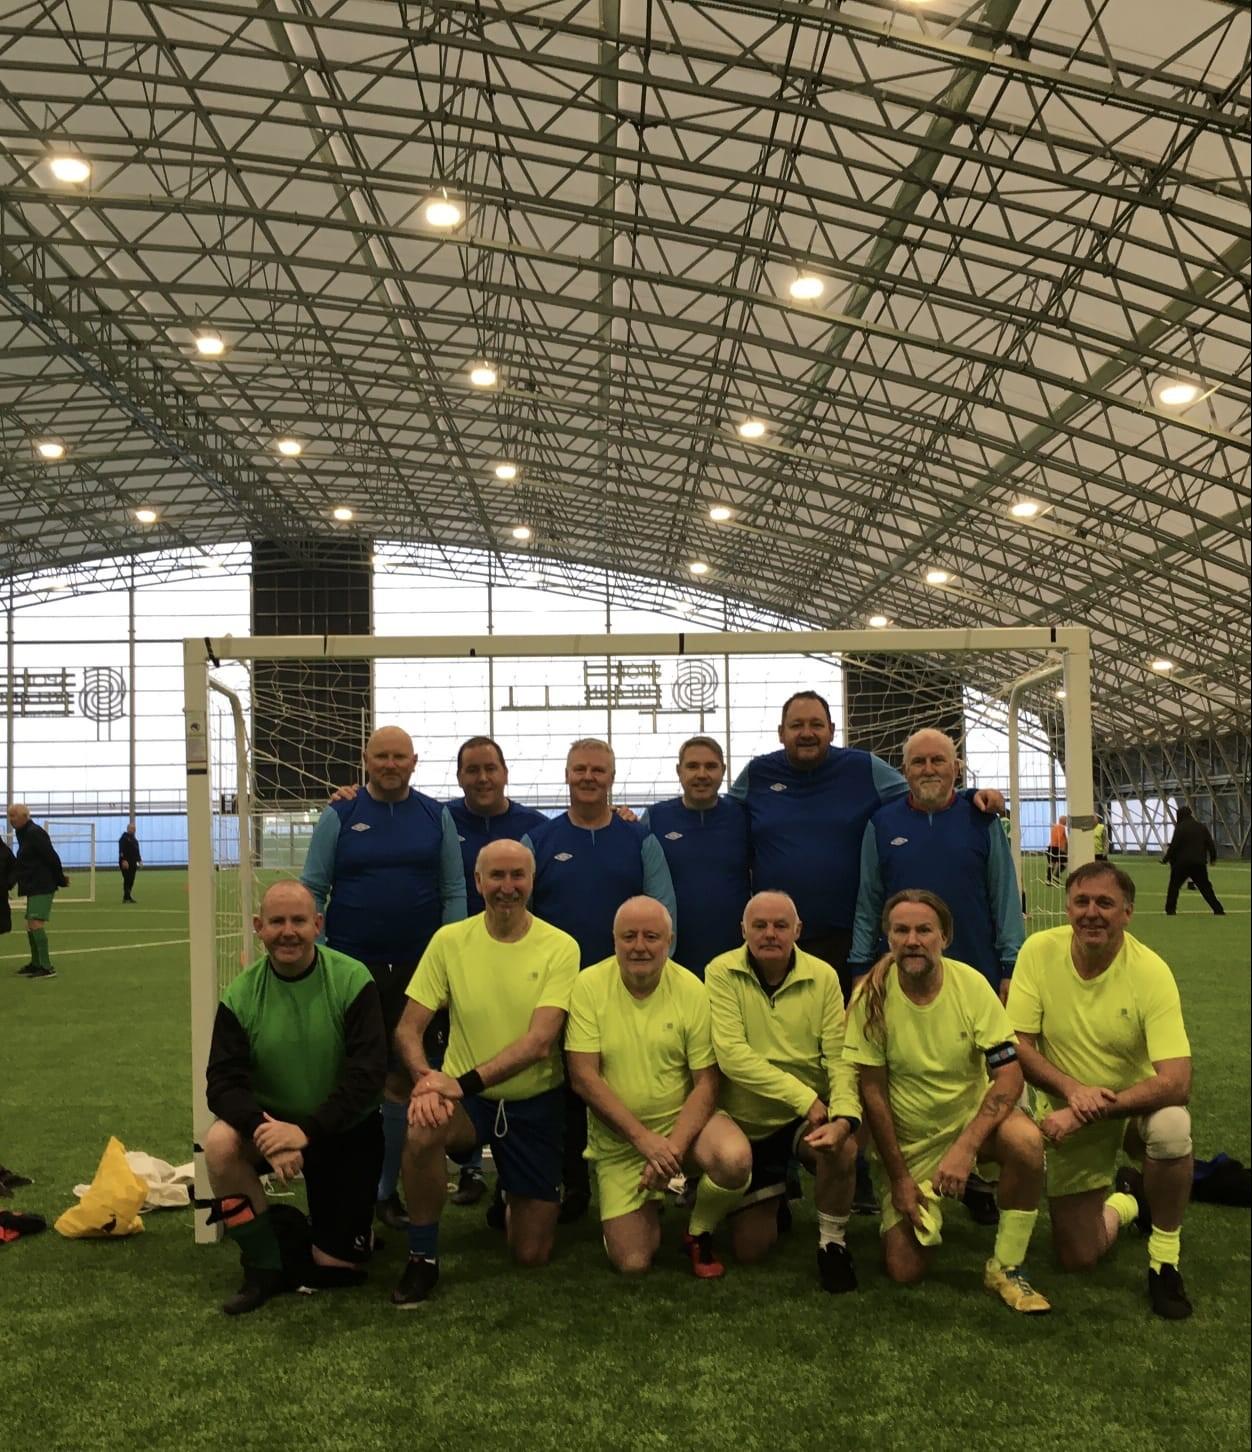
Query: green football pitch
[{"x": 120, "y": 1344}]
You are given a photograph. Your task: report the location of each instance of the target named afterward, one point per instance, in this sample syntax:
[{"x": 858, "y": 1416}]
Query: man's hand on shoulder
[
  {"x": 345, "y": 793},
  {"x": 990, "y": 800},
  {"x": 624, "y": 812}
]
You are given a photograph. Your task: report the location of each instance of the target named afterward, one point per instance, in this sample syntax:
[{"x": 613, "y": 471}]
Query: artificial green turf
[{"x": 116, "y": 1344}]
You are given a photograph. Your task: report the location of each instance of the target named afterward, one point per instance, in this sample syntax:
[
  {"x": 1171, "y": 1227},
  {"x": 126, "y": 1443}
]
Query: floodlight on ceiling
[
  {"x": 806, "y": 287},
  {"x": 1162, "y": 666},
  {"x": 505, "y": 472},
  {"x": 342, "y": 513},
  {"x": 72, "y": 169},
  {"x": 1025, "y": 508},
  {"x": 698, "y": 567},
  {"x": 720, "y": 513},
  {"x": 684, "y": 607},
  {"x": 1176, "y": 392},
  {"x": 443, "y": 212},
  {"x": 1061, "y": 693},
  {"x": 531, "y": 577},
  {"x": 520, "y": 531},
  {"x": 936, "y": 576},
  {"x": 59, "y": 587},
  {"x": 209, "y": 343},
  {"x": 878, "y": 622},
  {"x": 752, "y": 428},
  {"x": 50, "y": 449},
  {"x": 146, "y": 515},
  {"x": 289, "y": 448},
  {"x": 483, "y": 375}
]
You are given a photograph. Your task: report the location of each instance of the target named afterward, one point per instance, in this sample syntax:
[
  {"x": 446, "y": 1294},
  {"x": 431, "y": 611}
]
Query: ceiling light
[
  {"x": 937, "y": 577},
  {"x": 70, "y": 168},
  {"x": 751, "y": 428},
  {"x": 698, "y": 567},
  {"x": 342, "y": 513},
  {"x": 441, "y": 211},
  {"x": 213, "y": 566},
  {"x": 209, "y": 344},
  {"x": 1177, "y": 392},
  {"x": 58, "y": 587},
  {"x": 720, "y": 513},
  {"x": 506, "y": 472},
  {"x": 521, "y": 531},
  {"x": 877, "y": 621},
  {"x": 1162, "y": 665},
  {"x": 531, "y": 577},
  {"x": 684, "y": 607},
  {"x": 483, "y": 375},
  {"x": 1025, "y": 508},
  {"x": 806, "y": 287},
  {"x": 146, "y": 515},
  {"x": 50, "y": 449},
  {"x": 289, "y": 448},
  {"x": 1061, "y": 693}
]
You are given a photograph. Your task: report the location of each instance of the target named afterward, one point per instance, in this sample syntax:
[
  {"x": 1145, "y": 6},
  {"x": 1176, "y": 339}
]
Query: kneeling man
[
  {"x": 1100, "y": 1031},
  {"x": 295, "y": 1078},
  {"x": 777, "y": 1015},
  {"x": 940, "y": 1084},
  {"x": 505, "y": 978},
  {"x": 640, "y": 1055}
]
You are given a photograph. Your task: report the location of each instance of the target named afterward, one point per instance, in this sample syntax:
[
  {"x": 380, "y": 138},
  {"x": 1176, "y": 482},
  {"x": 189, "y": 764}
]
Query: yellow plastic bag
[{"x": 110, "y": 1208}]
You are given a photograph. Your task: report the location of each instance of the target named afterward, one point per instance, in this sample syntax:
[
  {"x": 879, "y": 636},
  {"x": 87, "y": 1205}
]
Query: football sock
[
  {"x": 424, "y": 1240},
  {"x": 1013, "y": 1236},
  {"x": 1124, "y": 1206},
  {"x": 830, "y": 1229},
  {"x": 713, "y": 1203},
  {"x": 395, "y": 1131},
  {"x": 39, "y": 947},
  {"x": 1164, "y": 1248},
  {"x": 258, "y": 1245}
]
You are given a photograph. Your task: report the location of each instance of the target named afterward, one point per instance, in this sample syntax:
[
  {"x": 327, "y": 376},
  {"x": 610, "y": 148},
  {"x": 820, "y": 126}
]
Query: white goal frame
[
  {"x": 1071, "y": 644},
  {"x": 71, "y": 895}
]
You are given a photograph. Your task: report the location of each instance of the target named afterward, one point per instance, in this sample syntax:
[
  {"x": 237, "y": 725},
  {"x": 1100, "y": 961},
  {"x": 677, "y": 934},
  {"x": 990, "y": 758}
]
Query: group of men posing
[{"x": 551, "y": 949}]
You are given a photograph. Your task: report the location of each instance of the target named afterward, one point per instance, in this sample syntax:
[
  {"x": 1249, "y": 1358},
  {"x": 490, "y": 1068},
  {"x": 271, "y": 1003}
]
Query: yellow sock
[
  {"x": 1013, "y": 1236},
  {"x": 1124, "y": 1206},
  {"x": 1164, "y": 1248},
  {"x": 713, "y": 1204}
]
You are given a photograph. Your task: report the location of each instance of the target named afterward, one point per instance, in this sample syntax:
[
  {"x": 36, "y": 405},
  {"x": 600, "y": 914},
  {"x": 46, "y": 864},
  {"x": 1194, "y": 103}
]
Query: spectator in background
[
  {"x": 1058, "y": 851},
  {"x": 1188, "y": 856},
  {"x": 129, "y": 859},
  {"x": 1100, "y": 840}
]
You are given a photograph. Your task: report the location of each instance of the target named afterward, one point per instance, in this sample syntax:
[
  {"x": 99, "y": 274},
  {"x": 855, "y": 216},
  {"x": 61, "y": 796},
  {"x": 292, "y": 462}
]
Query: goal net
[
  {"x": 75, "y": 841},
  {"x": 274, "y": 725}
]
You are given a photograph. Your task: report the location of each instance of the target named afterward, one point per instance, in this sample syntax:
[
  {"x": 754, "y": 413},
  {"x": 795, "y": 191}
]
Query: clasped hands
[
  {"x": 1084, "y": 1105},
  {"x": 282, "y": 1144},
  {"x": 433, "y": 1100}
]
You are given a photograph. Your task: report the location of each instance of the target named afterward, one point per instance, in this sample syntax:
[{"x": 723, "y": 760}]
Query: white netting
[{"x": 75, "y": 841}]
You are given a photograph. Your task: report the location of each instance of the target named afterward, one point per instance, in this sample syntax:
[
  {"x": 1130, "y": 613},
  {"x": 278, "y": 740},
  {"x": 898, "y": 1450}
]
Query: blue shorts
[{"x": 526, "y": 1136}]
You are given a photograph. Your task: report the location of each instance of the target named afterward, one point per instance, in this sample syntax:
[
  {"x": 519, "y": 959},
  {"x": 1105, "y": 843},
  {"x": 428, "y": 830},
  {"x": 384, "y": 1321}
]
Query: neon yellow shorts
[
  {"x": 922, "y": 1168},
  {"x": 617, "y": 1185},
  {"x": 1087, "y": 1160}
]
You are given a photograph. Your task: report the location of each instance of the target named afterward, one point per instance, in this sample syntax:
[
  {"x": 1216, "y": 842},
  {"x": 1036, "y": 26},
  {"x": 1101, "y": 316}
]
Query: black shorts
[
  {"x": 771, "y": 1159},
  {"x": 393, "y": 980},
  {"x": 341, "y": 1179}
]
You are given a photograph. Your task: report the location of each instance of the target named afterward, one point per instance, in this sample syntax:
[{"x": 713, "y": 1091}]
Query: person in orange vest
[{"x": 1058, "y": 850}]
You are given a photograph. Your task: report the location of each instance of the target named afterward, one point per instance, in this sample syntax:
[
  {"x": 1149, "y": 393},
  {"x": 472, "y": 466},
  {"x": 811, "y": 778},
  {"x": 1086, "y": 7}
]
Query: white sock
[{"x": 830, "y": 1229}]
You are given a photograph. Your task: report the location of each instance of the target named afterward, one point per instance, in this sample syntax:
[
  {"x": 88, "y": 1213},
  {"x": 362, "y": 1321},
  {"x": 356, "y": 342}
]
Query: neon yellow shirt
[
  {"x": 491, "y": 990},
  {"x": 933, "y": 1052},
  {"x": 648, "y": 1047},
  {"x": 1106, "y": 1031},
  {"x": 1100, "y": 839},
  {"x": 778, "y": 1055}
]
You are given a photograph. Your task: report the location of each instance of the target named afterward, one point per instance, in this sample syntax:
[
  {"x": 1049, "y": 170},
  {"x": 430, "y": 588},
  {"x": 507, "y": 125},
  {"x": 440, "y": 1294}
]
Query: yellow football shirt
[
  {"x": 778, "y": 1054},
  {"x": 491, "y": 990},
  {"x": 933, "y": 1052},
  {"x": 1106, "y": 1031},
  {"x": 647, "y": 1046}
]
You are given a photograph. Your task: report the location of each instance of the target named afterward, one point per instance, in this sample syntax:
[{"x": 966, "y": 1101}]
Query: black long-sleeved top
[
  {"x": 39, "y": 868},
  {"x": 1192, "y": 844},
  {"x": 128, "y": 849}
]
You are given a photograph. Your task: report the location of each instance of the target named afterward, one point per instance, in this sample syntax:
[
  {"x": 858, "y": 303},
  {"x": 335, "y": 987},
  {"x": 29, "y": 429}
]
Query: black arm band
[
  {"x": 850, "y": 1120},
  {"x": 471, "y": 1082},
  {"x": 1000, "y": 1054}
]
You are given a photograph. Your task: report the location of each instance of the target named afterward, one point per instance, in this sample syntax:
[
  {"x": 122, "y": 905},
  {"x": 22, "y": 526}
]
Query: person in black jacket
[
  {"x": 39, "y": 875},
  {"x": 1188, "y": 856},
  {"x": 128, "y": 859},
  {"x": 8, "y": 876}
]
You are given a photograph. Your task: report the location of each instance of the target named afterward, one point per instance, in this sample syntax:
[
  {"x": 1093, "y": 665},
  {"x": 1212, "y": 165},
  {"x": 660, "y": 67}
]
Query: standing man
[
  {"x": 940, "y": 1083},
  {"x": 505, "y": 977},
  {"x": 1188, "y": 855},
  {"x": 777, "y": 1016},
  {"x": 295, "y": 1074},
  {"x": 640, "y": 1055},
  {"x": 1058, "y": 850},
  {"x": 390, "y": 863},
  {"x": 1100, "y": 1032},
  {"x": 708, "y": 850},
  {"x": 588, "y": 861},
  {"x": 934, "y": 839},
  {"x": 129, "y": 860},
  {"x": 1100, "y": 840},
  {"x": 39, "y": 876},
  {"x": 808, "y": 806}
]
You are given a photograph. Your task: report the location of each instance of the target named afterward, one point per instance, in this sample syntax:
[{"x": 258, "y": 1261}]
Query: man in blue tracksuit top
[
  {"x": 484, "y": 814},
  {"x": 708, "y": 848},
  {"x": 935, "y": 839},
  {"x": 390, "y": 863},
  {"x": 588, "y": 861},
  {"x": 808, "y": 806}
]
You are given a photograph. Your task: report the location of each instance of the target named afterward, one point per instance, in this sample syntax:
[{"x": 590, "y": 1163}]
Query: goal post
[
  {"x": 643, "y": 692},
  {"x": 74, "y": 839}
]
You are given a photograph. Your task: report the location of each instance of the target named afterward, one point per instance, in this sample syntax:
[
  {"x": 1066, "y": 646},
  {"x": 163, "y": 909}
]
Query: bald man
[
  {"x": 389, "y": 862},
  {"x": 39, "y": 875},
  {"x": 640, "y": 1055},
  {"x": 295, "y": 1074}
]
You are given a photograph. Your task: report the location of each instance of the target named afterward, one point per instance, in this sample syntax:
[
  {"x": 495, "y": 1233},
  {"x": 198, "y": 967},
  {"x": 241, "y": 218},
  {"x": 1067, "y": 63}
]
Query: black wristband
[
  {"x": 850, "y": 1120},
  {"x": 471, "y": 1082}
]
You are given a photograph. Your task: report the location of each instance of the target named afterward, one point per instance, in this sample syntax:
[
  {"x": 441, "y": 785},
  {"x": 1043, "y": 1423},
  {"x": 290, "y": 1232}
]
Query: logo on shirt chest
[
  {"x": 779, "y": 786},
  {"x": 899, "y": 841},
  {"x": 360, "y": 826},
  {"x": 673, "y": 836},
  {"x": 563, "y": 857}
]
